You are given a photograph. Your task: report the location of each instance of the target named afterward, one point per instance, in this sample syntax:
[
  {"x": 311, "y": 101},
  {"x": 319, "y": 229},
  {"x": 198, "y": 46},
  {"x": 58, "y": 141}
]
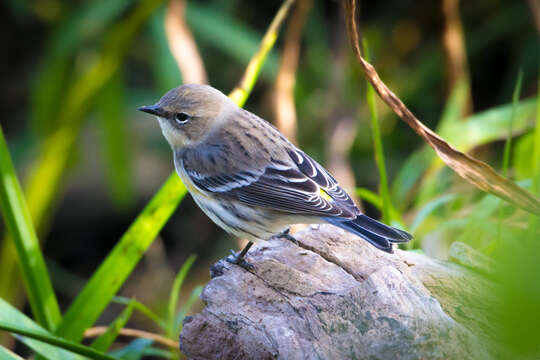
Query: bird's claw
[
  {"x": 285, "y": 234},
  {"x": 235, "y": 259}
]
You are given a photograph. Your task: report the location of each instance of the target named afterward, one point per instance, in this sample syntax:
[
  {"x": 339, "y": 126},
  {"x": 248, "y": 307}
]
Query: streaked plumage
[{"x": 247, "y": 177}]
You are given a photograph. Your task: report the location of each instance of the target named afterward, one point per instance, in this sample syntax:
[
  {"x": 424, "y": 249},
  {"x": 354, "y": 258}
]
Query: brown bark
[{"x": 334, "y": 296}]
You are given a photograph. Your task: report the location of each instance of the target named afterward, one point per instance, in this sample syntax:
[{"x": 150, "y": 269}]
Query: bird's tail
[{"x": 376, "y": 233}]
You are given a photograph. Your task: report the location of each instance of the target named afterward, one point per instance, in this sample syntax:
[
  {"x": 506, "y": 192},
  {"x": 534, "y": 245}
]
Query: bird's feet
[
  {"x": 238, "y": 259},
  {"x": 285, "y": 234}
]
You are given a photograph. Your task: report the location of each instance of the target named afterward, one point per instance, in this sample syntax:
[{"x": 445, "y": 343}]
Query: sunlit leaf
[
  {"x": 175, "y": 293},
  {"x": 134, "y": 351},
  {"x": 17, "y": 218},
  {"x": 117, "y": 147},
  {"x": 40, "y": 340}
]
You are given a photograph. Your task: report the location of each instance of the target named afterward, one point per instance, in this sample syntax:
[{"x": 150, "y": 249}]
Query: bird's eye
[{"x": 181, "y": 118}]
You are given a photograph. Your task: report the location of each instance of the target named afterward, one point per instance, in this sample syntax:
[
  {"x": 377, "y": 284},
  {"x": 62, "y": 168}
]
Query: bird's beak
[{"x": 152, "y": 109}]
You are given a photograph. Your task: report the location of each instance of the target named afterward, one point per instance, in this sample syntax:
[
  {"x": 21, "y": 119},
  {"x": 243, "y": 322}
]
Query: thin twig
[
  {"x": 240, "y": 93},
  {"x": 473, "y": 170},
  {"x": 98, "y": 330},
  {"x": 182, "y": 45},
  {"x": 284, "y": 108}
]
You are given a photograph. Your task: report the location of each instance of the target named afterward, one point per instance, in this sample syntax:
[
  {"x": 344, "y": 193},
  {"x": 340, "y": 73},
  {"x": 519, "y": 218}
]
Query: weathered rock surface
[{"x": 334, "y": 296}]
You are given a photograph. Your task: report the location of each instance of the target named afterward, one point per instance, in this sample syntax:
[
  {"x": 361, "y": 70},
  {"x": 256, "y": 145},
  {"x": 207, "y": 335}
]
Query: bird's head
[{"x": 187, "y": 113}]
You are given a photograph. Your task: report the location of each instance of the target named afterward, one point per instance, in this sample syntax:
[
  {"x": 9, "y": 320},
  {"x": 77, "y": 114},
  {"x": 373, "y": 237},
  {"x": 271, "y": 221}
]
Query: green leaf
[
  {"x": 409, "y": 175},
  {"x": 429, "y": 208},
  {"x": 116, "y": 144},
  {"x": 416, "y": 164},
  {"x": 378, "y": 146},
  {"x": 143, "y": 309},
  {"x": 175, "y": 293},
  {"x": 536, "y": 152},
  {"x": 157, "y": 352},
  {"x": 17, "y": 218},
  {"x": 6, "y": 354},
  {"x": 164, "y": 66},
  {"x": 112, "y": 273},
  {"x": 49, "y": 167},
  {"x": 40, "y": 340},
  {"x": 83, "y": 24},
  {"x": 375, "y": 200},
  {"x": 227, "y": 34},
  {"x": 179, "y": 318},
  {"x": 134, "y": 351},
  {"x": 476, "y": 130},
  {"x": 508, "y": 144},
  {"x": 105, "y": 340}
]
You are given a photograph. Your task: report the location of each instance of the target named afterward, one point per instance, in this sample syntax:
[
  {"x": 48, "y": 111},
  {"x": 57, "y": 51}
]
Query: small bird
[{"x": 248, "y": 178}]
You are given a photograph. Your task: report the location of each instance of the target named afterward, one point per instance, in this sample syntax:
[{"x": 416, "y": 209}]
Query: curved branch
[{"x": 477, "y": 172}]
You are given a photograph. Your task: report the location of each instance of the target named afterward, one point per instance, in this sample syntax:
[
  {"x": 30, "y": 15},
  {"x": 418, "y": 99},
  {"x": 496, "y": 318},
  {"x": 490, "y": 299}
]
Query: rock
[{"x": 334, "y": 296}]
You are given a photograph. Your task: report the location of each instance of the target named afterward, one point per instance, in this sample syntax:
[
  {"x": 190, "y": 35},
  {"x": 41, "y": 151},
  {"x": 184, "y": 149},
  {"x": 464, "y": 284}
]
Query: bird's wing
[{"x": 299, "y": 185}]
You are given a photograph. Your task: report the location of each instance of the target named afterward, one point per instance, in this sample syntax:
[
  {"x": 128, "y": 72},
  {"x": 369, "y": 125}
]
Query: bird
[{"x": 248, "y": 178}]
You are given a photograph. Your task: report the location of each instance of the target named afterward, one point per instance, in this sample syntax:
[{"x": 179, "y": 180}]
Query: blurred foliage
[{"x": 89, "y": 162}]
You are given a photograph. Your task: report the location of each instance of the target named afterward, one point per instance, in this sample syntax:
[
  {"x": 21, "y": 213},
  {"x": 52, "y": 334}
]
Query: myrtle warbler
[{"x": 248, "y": 178}]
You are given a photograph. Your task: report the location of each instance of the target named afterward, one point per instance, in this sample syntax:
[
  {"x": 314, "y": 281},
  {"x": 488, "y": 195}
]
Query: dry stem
[
  {"x": 473, "y": 170},
  {"x": 98, "y": 330},
  {"x": 284, "y": 108},
  {"x": 182, "y": 45}
]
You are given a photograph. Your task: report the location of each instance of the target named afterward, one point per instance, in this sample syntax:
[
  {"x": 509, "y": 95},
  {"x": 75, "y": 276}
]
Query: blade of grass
[
  {"x": 508, "y": 145},
  {"x": 46, "y": 173},
  {"x": 112, "y": 273},
  {"x": 17, "y": 218},
  {"x": 115, "y": 143},
  {"x": 536, "y": 151},
  {"x": 82, "y": 25},
  {"x": 241, "y": 92},
  {"x": 476, "y": 130},
  {"x": 179, "y": 318},
  {"x": 105, "y": 340},
  {"x": 13, "y": 320},
  {"x": 51, "y": 165},
  {"x": 226, "y": 33},
  {"x": 157, "y": 352},
  {"x": 5, "y": 354},
  {"x": 57, "y": 342},
  {"x": 375, "y": 200},
  {"x": 429, "y": 208},
  {"x": 377, "y": 146},
  {"x": 134, "y": 351},
  {"x": 534, "y": 221},
  {"x": 143, "y": 309},
  {"x": 175, "y": 292}
]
